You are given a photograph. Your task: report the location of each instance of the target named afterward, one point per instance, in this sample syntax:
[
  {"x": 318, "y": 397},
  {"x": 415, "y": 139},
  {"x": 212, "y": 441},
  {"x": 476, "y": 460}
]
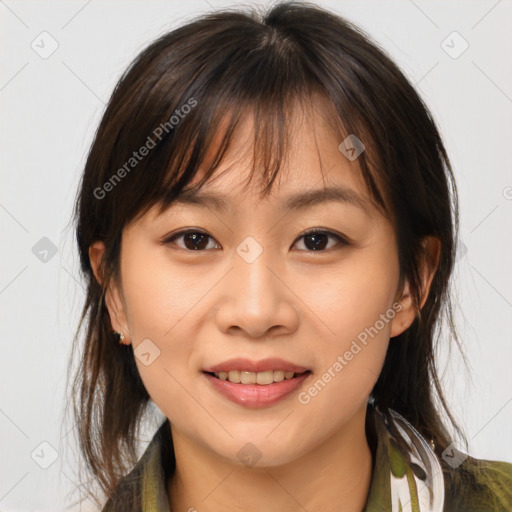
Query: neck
[{"x": 337, "y": 472}]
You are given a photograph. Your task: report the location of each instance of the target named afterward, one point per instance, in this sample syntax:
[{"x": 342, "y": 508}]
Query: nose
[{"x": 256, "y": 300}]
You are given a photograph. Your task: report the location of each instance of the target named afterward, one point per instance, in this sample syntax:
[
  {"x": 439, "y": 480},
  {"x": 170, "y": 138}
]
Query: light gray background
[{"x": 50, "y": 109}]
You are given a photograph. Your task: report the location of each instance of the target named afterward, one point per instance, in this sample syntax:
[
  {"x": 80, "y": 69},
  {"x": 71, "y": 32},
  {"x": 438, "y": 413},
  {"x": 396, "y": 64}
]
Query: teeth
[
  {"x": 234, "y": 376},
  {"x": 262, "y": 378}
]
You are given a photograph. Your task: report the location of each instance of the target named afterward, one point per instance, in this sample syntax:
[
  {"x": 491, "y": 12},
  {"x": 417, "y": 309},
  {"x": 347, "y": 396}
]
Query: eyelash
[{"x": 341, "y": 240}]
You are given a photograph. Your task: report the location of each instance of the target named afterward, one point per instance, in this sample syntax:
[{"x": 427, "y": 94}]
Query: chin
[{"x": 259, "y": 451}]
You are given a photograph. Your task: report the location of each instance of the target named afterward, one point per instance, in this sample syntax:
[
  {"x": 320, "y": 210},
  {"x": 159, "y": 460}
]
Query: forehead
[{"x": 298, "y": 199}]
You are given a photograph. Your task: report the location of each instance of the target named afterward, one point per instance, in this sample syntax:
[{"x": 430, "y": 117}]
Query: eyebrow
[{"x": 296, "y": 201}]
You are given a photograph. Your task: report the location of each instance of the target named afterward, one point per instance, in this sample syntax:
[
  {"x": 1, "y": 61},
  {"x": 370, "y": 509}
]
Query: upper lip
[{"x": 246, "y": 365}]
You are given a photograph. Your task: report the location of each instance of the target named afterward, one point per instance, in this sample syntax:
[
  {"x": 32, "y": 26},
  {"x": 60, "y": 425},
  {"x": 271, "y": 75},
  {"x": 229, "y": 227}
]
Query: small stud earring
[{"x": 120, "y": 336}]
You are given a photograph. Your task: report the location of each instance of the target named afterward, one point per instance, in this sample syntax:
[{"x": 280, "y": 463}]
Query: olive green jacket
[{"x": 406, "y": 476}]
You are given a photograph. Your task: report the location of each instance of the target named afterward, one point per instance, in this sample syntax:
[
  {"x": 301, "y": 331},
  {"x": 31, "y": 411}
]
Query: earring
[{"x": 120, "y": 336}]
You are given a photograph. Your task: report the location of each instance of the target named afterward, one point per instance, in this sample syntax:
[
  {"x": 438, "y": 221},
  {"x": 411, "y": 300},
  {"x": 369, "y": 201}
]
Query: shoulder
[{"x": 477, "y": 485}]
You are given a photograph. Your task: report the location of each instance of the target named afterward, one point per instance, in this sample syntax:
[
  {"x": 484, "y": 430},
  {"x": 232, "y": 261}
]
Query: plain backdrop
[{"x": 51, "y": 105}]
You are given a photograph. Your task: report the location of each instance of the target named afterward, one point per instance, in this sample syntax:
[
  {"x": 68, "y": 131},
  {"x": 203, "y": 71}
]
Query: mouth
[
  {"x": 263, "y": 378},
  {"x": 256, "y": 390}
]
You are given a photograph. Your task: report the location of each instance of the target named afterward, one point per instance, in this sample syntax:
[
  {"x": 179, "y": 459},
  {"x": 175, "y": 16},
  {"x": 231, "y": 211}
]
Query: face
[{"x": 250, "y": 282}]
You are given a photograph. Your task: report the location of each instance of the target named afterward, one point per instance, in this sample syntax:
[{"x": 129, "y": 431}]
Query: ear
[
  {"x": 405, "y": 317},
  {"x": 113, "y": 296}
]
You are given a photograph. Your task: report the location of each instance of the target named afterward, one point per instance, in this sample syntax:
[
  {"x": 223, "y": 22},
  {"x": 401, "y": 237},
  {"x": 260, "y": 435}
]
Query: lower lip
[{"x": 256, "y": 395}]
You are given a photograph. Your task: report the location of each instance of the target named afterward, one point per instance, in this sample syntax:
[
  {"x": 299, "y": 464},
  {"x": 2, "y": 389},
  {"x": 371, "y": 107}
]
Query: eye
[
  {"x": 195, "y": 240},
  {"x": 317, "y": 239}
]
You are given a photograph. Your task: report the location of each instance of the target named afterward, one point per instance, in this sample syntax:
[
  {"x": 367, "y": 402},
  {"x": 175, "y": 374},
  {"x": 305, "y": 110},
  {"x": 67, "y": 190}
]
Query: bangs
[
  {"x": 268, "y": 148},
  {"x": 188, "y": 111}
]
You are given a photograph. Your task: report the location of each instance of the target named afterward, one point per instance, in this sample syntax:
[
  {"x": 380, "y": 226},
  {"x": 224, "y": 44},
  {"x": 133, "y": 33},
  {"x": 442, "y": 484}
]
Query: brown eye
[
  {"x": 317, "y": 240},
  {"x": 192, "y": 240}
]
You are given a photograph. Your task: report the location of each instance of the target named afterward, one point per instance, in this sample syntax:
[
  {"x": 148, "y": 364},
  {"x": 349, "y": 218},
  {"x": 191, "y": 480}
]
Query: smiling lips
[
  {"x": 256, "y": 383},
  {"x": 264, "y": 372}
]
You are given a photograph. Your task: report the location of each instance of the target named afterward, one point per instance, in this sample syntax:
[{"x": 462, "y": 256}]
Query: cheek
[
  {"x": 351, "y": 297},
  {"x": 349, "y": 362},
  {"x": 159, "y": 302},
  {"x": 356, "y": 309},
  {"x": 158, "y": 295}
]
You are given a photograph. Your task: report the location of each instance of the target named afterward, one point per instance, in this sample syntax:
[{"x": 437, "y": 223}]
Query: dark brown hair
[{"x": 221, "y": 66}]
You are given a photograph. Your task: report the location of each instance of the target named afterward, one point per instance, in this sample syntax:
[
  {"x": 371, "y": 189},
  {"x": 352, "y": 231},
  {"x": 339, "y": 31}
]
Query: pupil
[
  {"x": 317, "y": 238},
  {"x": 194, "y": 237}
]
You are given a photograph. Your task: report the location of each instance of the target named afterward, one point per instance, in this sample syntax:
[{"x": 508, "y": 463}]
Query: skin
[{"x": 206, "y": 306}]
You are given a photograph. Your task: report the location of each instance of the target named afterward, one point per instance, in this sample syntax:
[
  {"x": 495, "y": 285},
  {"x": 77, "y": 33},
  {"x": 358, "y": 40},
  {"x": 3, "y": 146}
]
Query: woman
[{"x": 267, "y": 224}]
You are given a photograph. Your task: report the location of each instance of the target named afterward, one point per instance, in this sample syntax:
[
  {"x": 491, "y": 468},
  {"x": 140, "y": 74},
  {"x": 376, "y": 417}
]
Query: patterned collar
[{"x": 407, "y": 476}]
